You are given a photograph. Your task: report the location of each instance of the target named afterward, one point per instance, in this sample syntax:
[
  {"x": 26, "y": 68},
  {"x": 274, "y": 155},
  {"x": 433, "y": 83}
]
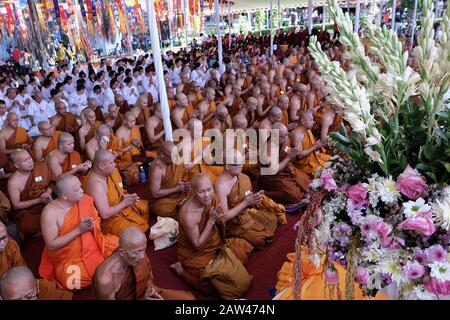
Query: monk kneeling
[
  {"x": 74, "y": 243},
  {"x": 207, "y": 261},
  {"x": 29, "y": 189},
  {"x": 19, "y": 283},
  {"x": 118, "y": 209},
  {"x": 9, "y": 252},
  {"x": 127, "y": 273}
]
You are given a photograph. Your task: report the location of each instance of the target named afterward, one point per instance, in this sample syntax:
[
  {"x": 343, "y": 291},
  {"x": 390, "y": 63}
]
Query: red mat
[{"x": 262, "y": 264}]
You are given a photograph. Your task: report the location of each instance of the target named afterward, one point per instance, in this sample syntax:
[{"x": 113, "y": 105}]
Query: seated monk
[
  {"x": 19, "y": 283},
  {"x": 312, "y": 156},
  {"x": 314, "y": 283},
  {"x": 63, "y": 120},
  {"x": 220, "y": 120},
  {"x": 154, "y": 129},
  {"x": 113, "y": 118},
  {"x": 233, "y": 101},
  {"x": 129, "y": 138},
  {"x": 200, "y": 240},
  {"x": 195, "y": 95},
  {"x": 29, "y": 189},
  {"x": 127, "y": 273},
  {"x": 13, "y": 137},
  {"x": 74, "y": 242},
  {"x": 46, "y": 142},
  {"x": 181, "y": 113},
  {"x": 275, "y": 115},
  {"x": 298, "y": 103},
  {"x": 121, "y": 103},
  {"x": 9, "y": 252},
  {"x": 283, "y": 104},
  {"x": 65, "y": 160},
  {"x": 118, "y": 209},
  {"x": 142, "y": 113},
  {"x": 249, "y": 112},
  {"x": 246, "y": 218},
  {"x": 207, "y": 106},
  {"x": 87, "y": 130},
  {"x": 288, "y": 185},
  {"x": 167, "y": 182}
]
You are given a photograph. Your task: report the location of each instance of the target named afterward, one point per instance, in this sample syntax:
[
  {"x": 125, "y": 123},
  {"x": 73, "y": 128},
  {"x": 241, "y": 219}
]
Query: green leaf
[
  {"x": 429, "y": 151},
  {"x": 441, "y": 134},
  {"x": 432, "y": 175},
  {"x": 340, "y": 138},
  {"x": 446, "y": 165}
]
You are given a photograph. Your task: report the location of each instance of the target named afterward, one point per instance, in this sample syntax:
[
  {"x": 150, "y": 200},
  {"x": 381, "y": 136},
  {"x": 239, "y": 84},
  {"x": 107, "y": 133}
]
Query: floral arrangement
[
  {"x": 382, "y": 208},
  {"x": 399, "y": 228}
]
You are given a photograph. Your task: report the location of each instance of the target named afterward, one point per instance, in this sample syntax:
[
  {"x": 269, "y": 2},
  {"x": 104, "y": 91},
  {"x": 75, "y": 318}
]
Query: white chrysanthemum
[
  {"x": 441, "y": 212},
  {"x": 388, "y": 192},
  {"x": 315, "y": 184},
  {"x": 419, "y": 293},
  {"x": 440, "y": 270},
  {"x": 373, "y": 254},
  {"x": 412, "y": 208},
  {"x": 392, "y": 266}
]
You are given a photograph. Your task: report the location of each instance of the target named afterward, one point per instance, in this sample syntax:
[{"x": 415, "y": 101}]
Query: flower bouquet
[{"x": 382, "y": 208}]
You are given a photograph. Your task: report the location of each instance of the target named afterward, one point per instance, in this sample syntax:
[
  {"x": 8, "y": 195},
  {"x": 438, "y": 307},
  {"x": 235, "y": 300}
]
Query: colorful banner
[
  {"x": 90, "y": 21},
  {"x": 64, "y": 18},
  {"x": 109, "y": 11},
  {"x": 122, "y": 17},
  {"x": 71, "y": 8},
  {"x": 40, "y": 17},
  {"x": 45, "y": 7},
  {"x": 82, "y": 9},
  {"x": 9, "y": 18},
  {"x": 56, "y": 7},
  {"x": 98, "y": 17},
  {"x": 138, "y": 13}
]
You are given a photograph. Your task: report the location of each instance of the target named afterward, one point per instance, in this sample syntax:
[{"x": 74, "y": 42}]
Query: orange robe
[
  {"x": 29, "y": 220},
  {"x": 117, "y": 122},
  {"x": 138, "y": 278},
  {"x": 168, "y": 205},
  {"x": 52, "y": 144},
  {"x": 72, "y": 160},
  {"x": 99, "y": 114},
  {"x": 15, "y": 141},
  {"x": 11, "y": 257},
  {"x": 132, "y": 216},
  {"x": 213, "y": 171},
  {"x": 235, "y": 106},
  {"x": 135, "y": 134},
  {"x": 313, "y": 281},
  {"x": 256, "y": 225},
  {"x": 128, "y": 170},
  {"x": 288, "y": 186},
  {"x": 153, "y": 148},
  {"x": 314, "y": 160},
  {"x": 285, "y": 119},
  {"x": 49, "y": 290},
  {"x": 68, "y": 121},
  {"x": 5, "y": 208},
  {"x": 74, "y": 265},
  {"x": 195, "y": 260}
]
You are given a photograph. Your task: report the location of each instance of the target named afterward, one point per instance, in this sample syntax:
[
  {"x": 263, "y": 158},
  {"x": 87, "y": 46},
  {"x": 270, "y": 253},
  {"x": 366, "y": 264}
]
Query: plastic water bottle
[{"x": 142, "y": 174}]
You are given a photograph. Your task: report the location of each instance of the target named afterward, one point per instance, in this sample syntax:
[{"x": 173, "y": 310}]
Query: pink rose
[
  {"x": 331, "y": 276},
  {"x": 383, "y": 229},
  {"x": 357, "y": 193},
  {"x": 362, "y": 276},
  {"x": 422, "y": 223},
  {"x": 438, "y": 287},
  {"x": 411, "y": 184},
  {"x": 326, "y": 179}
]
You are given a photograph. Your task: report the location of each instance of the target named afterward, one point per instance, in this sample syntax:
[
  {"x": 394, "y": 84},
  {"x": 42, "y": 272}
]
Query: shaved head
[
  {"x": 283, "y": 130},
  {"x": 275, "y": 112},
  {"x": 64, "y": 137},
  {"x": 17, "y": 155},
  {"x": 64, "y": 182},
  {"x": 11, "y": 115},
  {"x": 102, "y": 130},
  {"x": 129, "y": 115},
  {"x": 102, "y": 155},
  {"x": 239, "y": 122},
  {"x": 18, "y": 283},
  {"x": 3, "y": 237},
  {"x": 199, "y": 179},
  {"x": 131, "y": 237},
  {"x": 167, "y": 147}
]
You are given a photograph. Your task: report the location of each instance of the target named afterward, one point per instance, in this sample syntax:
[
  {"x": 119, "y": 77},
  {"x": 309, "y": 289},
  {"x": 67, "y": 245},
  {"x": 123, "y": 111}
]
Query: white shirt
[
  {"x": 3, "y": 119},
  {"x": 31, "y": 89},
  {"x": 40, "y": 111},
  {"x": 99, "y": 99},
  {"x": 23, "y": 122},
  {"x": 51, "y": 107},
  {"x": 150, "y": 88},
  {"x": 69, "y": 89},
  {"x": 108, "y": 96},
  {"x": 130, "y": 94},
  {"x": 46, "y": 93},
  {"x": 175, "y": 76},
  {"x": 77, "y": 100}
]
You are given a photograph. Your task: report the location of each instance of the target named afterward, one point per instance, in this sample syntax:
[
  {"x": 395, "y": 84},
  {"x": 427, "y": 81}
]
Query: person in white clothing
[
  {"x": 110, "y": 92},
  {"x": 148, "y": 83},
  {"x": 90, "y": 82},
  {"x": 45, "y": 90},
  {"x": 78, "y": 100},
  {"x": 32, "y": 86},
  {"x": 97, "y": 95},
  {"x": 3, "y": 113},
  {"x": 39, "y": 111},
  {"x": 56, "y": 97},
  {"x": 130, "y": 92},
  {"x": 69, "y": 88}
]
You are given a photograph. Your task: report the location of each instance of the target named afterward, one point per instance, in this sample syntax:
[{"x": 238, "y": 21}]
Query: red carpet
[{"x": 262, "y": 264}]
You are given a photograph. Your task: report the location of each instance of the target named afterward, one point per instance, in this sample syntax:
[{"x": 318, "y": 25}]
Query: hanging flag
[
  {"x": 196, "y": 6},
  {"x": 40, "y": 17},
  {"x": 45, "y": 7},
  {"x": 63, "y": 18},
  {"x": 109, "y": 11},
  {"x": 191, "y": 7},
  {"x": 138, "y": 14},
  {"x": 82, "y": 9},
  {"x": 122, "y": 17},
  {"x": 210, "y": 2},
  {"x": 97, "y": 16},
  {"x": 71, "y": 8},
  {"x": 90, "y": 18},
  {"x": 57, "y": 13}
]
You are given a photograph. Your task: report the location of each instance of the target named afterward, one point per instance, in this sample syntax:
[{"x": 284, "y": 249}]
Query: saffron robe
[
  {"x": 49, "y": 290},
  {"x": 15, "y": 141},
  {"x": 314, "y": 160},
  {"x": 11, "y": 257}
]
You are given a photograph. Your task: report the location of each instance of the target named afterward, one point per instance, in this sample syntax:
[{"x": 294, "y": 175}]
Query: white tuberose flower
[
  {"x": 412, "y": 208},
  {"x": 440, "y": 270}
]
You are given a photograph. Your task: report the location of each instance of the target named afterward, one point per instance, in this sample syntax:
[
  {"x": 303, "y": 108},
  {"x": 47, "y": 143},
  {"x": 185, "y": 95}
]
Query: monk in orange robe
[
  {"x": 63, "y": 120},
  {"x": 168, "y": 183},
  {"x": 136, "y": 281},
  {"x": 9, "y": 252},
  {"x": 129, "y": 138},
  {"x": 113, "y": 118},
  {"x": 74, "y": 243},
  {"x": 314, "y": 282},
  {"x": 312, "y": 154},
  {"x": 201, "y": 242},
  {"x": 30, "y": 190},
  {"x": 154, "y": 130},
  {"x": 19, "y": 283},
  {"x": 118, "y": 209},
  {"x": 46, "y": 142}
]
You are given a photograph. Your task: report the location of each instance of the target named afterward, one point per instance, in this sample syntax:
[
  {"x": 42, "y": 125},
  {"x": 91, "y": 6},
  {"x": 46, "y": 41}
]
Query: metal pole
[
  {"x": 310, "y": 12},
  {"x": 271, "y": 28},
  {"x": 156, "y": 50},
  {"x": 219, "y": 37},
  {"x": 357, "y": 12},
  {"x": 414, "y": 23},
  {"x": 394, "y": 7}
]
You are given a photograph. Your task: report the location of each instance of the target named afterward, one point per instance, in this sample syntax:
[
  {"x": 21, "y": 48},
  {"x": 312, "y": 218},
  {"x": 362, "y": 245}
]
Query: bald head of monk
[
  {"x": 283, "y": 102},
  {"x": 282, "y": 131},
  {"x": 275, "y": 115},
  {"x": 68, "y": 188},
  {"x": 118, "y": 99},
  {"x": 102, "y": 131},
  {"x": 202, "y": 188},
  {"x": 61, "y": 108},
  {"x": 46, "y": 129},
  {"x": 129, "y": 120},
  {"x": 132, "y": 246},
  {"x": 221, "y": 113},
  {"x": 195, "y": 87},
  {"x": 195, "y": 127},
  {"x": 113, "y": 110},
  {"x": 4, "y": 238},
  {"x": 251, "y": 104},
  {"x": 104, "y": 162},
  {"x": 158, "y": 108},
  {"x": 210, "y": 94},
  {"x": 182, "y": 100},
  {"x": 142, "y": 101},
  {"x": 19, "y": 283},
  {"x": 239, "y": 122},
  {"x": 12, "y": 120},
  {"x": 165, "y": 151},
  {"x": 22, "y": 160},
  {"x": 307, "y": 119},
  {"x": 234, "y": 161},
  {"x": 66, "y": 142},
  {"x": 89, "y": 116}
]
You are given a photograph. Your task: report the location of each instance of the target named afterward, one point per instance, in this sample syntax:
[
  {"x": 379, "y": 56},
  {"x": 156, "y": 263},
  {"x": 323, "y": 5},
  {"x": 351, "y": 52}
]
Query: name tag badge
[
  {"x": 74, "y": 166},
  {"x": 120, "y": 184},
  {"x": 38, "y": 179}
]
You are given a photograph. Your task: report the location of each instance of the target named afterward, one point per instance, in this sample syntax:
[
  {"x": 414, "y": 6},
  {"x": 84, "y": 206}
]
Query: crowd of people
[{"x": 73, "y": 141}]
